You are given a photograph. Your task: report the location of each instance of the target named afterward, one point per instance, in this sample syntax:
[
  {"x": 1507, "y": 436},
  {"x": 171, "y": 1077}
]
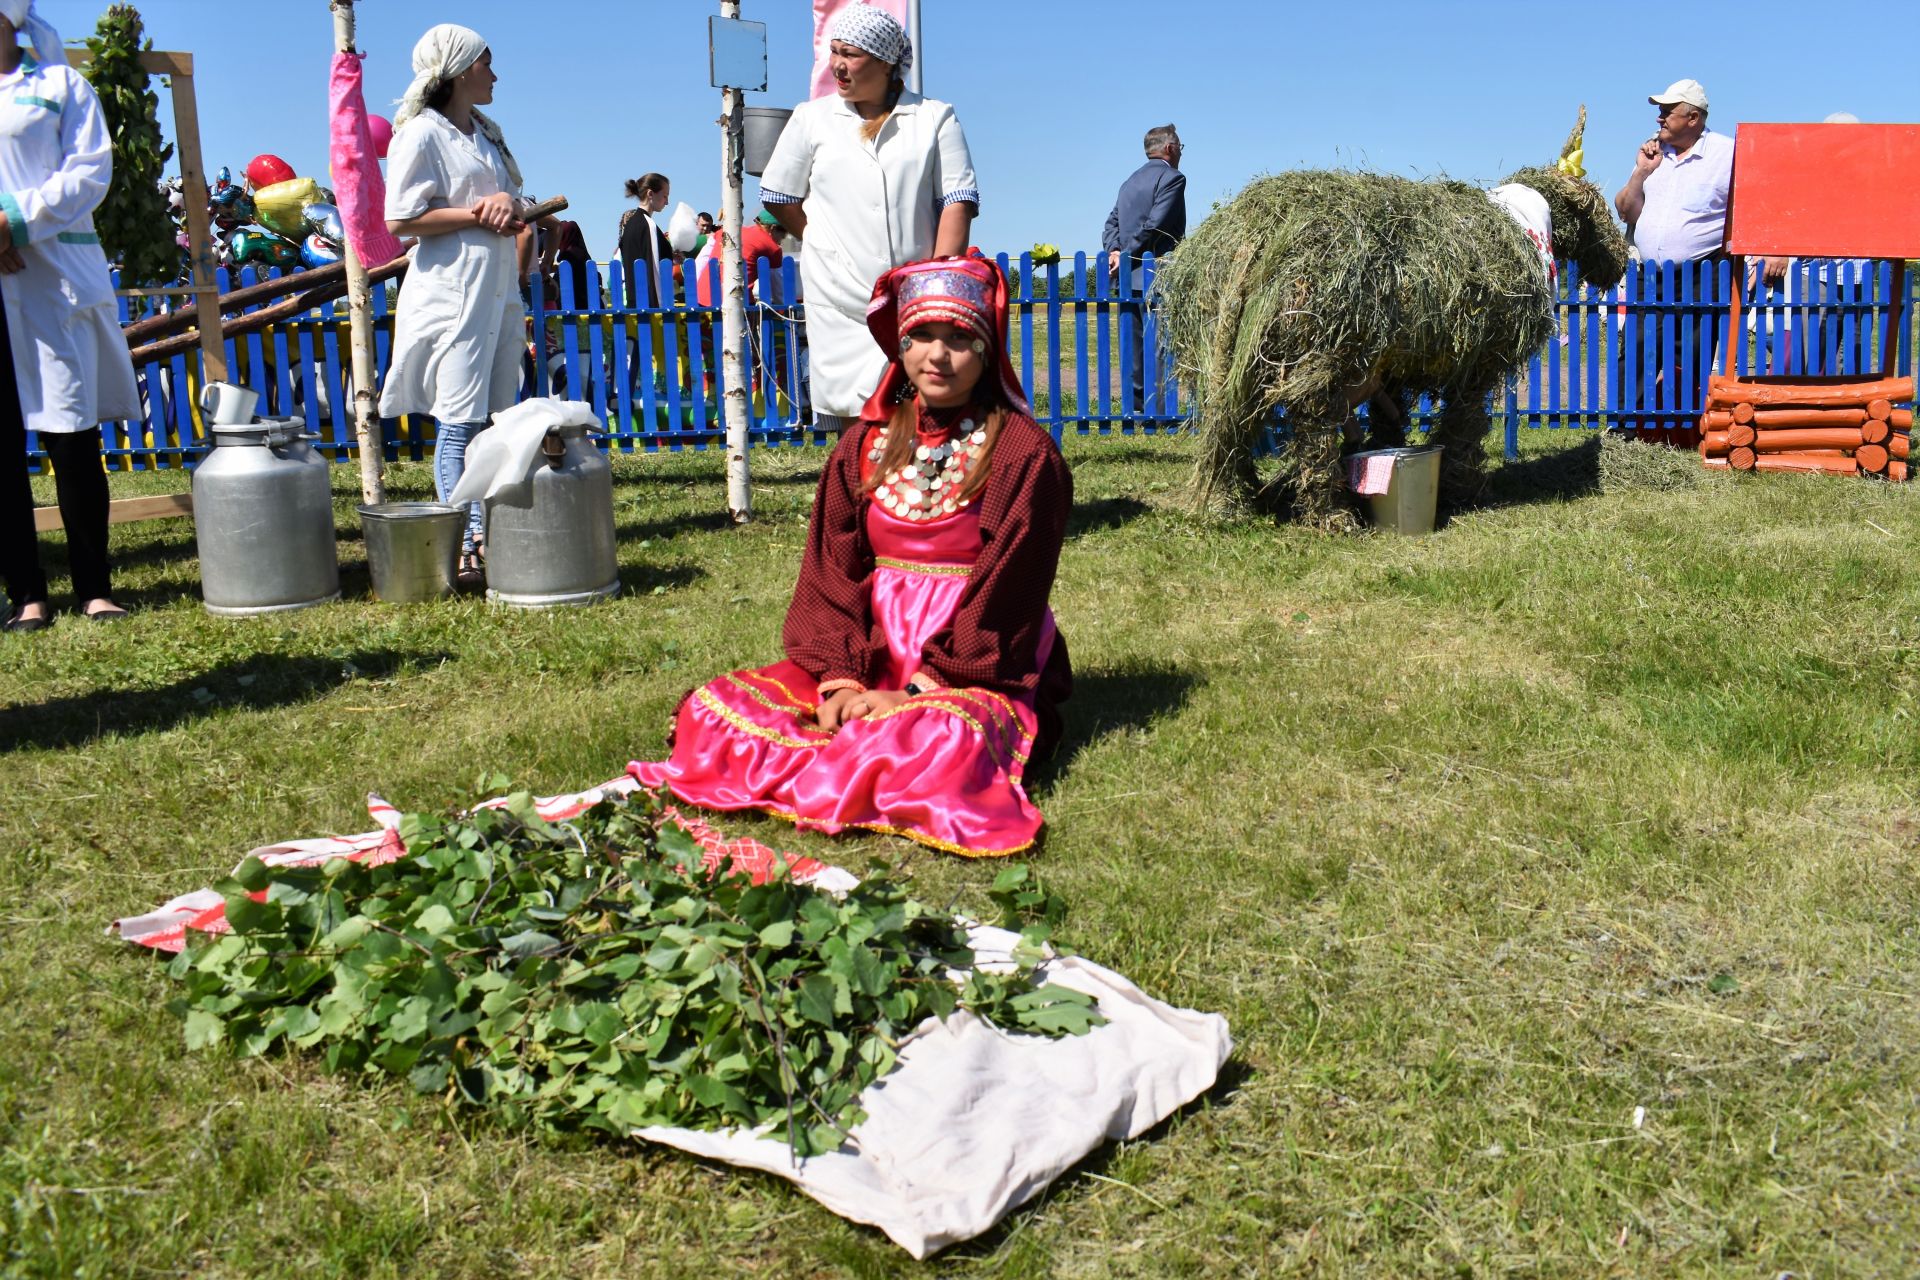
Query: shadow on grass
[
  {"x": 1104, "y": 513},
  {"x": 669, "y": 526},
  {"x": 643, "y": 580},
  {"x": 1110, "y": 701},
  {"x": 256, "y": 684},
  {"x": 1559, "y": 476}
]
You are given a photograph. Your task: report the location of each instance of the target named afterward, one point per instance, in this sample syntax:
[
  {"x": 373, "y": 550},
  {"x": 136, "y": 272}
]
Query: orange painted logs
[
  {"x": 1833, "y": 463},
  {"x": 1725, "y": 392},
  {"x": 1897, "y": 471},
  {"x": 1881, "y": 409},
  {"x": 1720, "y": 421},
  {"x": 1871, "y": 457},
  {"x": 1743, "y": 412},
  {"x": 1719, "y": 463},
  {"x": 1713, "y": 444},
  {"x": 1875, "y": 431},
  {"x": 1896, "y": 444},
  {"x": 1791, "y": 440},
  {"x": 1742, "y": 458},
  {"x": 1741, "y": 433}
]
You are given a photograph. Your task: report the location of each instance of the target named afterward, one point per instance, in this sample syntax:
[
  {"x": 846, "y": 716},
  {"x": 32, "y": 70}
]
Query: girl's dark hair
[
  {"x": 441, "y": 96},
  {"x": 645, "y": 185}
]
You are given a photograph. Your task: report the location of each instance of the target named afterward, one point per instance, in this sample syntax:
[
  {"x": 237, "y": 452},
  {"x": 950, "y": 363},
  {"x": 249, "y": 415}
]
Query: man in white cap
[{"x": 1675, "y": 208}]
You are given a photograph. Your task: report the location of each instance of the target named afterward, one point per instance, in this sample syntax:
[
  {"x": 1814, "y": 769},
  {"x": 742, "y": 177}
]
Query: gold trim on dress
[
  {"x": 781, "y": 685},
  {"x": 767, "y": 700},
  {"x": 706, "y": 699},
  {"x": 916, "y": 566},
  {"x": 905, "y": 833}
]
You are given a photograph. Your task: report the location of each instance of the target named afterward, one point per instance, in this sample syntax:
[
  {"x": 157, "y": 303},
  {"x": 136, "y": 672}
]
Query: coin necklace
[{"x": 928, "y": 486}]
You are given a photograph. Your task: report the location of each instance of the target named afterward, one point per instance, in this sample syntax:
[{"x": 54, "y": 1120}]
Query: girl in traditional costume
[
  {"x": 459, "y": 331},
  {"x": 68, "y": 369},
  {"x": 923, "y": 667}
]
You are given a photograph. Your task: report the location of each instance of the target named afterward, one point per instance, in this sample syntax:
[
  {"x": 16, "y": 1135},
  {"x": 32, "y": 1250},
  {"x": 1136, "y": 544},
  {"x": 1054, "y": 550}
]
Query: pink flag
[
  {"x": 360, "y": 190},
  {"x": 824, "y": 12}
]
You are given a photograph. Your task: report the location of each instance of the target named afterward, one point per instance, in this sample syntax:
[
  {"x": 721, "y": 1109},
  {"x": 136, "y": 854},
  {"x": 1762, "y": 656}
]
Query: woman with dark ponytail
[
  {"x": 643, "y": 241},
  {"x": 871, "y": 178}
]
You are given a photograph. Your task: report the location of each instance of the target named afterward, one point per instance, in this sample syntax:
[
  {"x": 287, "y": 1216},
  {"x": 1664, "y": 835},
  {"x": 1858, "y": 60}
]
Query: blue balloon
[{"x": 315, "y": 251}]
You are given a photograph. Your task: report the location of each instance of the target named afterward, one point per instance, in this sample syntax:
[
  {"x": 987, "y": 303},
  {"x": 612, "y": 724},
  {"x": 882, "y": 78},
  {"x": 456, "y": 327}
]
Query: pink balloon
[{"x": 382, "y": 134}]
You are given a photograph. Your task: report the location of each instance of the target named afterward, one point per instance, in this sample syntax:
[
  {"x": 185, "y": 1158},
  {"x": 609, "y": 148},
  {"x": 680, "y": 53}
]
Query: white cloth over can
[
  {"x": 56, "y": 160},
  {"x": 459, "y": 329},
  {"x": 871, "y": 207}
]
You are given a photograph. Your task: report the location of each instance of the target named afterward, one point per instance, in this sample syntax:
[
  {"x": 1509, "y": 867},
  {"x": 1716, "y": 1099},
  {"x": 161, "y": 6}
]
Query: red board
[{"x": 1825, "y": 191}]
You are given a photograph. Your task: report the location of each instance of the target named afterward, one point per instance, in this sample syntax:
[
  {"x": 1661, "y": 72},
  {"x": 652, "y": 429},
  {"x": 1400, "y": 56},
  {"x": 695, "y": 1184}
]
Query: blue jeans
[{"x": 449, "y": 462}]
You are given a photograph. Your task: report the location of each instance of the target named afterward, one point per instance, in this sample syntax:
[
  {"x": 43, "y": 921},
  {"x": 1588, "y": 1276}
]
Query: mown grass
[{"x": 1557, "y": 874}]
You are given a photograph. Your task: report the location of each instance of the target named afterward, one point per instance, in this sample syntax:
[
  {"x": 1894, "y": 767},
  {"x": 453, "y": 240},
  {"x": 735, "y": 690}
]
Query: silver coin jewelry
[{"x": 927, "y": 487}]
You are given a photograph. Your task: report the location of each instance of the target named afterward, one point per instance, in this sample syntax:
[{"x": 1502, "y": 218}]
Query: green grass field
[{"x": 1557, "y": 875}]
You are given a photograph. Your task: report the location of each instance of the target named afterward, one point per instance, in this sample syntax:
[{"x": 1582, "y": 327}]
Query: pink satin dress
[{"x": 943, "y": 768}]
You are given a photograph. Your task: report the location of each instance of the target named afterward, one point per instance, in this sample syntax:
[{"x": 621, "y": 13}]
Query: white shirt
[
  {"x": 871, "y": 207},
  {"x": 1684, "y": 216},
  {"x": 56, "y": 161},
  {"x": 459, "y": 326}
]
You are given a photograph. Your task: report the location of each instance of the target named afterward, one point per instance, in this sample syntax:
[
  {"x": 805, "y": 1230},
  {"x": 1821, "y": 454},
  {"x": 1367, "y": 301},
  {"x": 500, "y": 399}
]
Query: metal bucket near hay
[{"x": 1412, "y": 499}]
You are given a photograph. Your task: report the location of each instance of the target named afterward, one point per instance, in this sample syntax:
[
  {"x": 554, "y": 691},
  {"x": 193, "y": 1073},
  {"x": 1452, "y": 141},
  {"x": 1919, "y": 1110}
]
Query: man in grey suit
[{"x": 1150, "y": 216}]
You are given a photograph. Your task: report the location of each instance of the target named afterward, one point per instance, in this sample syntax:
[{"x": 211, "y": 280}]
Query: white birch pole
[
  {"x": 733, "y": 323},
  {"x": 366, "y": 422},
  {"x": 919, "y": 55}
]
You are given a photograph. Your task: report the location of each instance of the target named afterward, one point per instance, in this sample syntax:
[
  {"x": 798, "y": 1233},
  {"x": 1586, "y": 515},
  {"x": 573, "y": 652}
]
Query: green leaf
[
  {"x": 777, "y": 935},
  {"x": 817, "y": 999},
  {"x": 436, "y": 921},
  {"x": 530, "y": 943},
  {"x": 204, "y": 1030}
]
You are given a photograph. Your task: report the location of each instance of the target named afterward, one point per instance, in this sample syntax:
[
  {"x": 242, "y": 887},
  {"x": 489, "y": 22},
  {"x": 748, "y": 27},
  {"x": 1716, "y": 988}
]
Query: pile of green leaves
[
  {"x": 134, "y": 226},
  {"x": 592, "y": 973}
]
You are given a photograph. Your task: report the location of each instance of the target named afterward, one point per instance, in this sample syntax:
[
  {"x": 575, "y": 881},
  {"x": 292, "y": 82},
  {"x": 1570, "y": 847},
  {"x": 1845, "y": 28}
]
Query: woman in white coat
[
  {"x": 69, "y": 370},
  {"x": 459, "y": 326},
  {"x": 870, "y": 179}
]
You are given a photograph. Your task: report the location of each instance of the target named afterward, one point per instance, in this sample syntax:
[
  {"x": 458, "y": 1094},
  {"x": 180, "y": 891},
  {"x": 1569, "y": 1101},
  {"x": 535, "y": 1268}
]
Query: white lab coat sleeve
[
  {"x": 77, "y": 186},
  {"x": 790, "y": 169},
  {"x": 415, "y": 177},
  {"x": 956, "y": 178}
]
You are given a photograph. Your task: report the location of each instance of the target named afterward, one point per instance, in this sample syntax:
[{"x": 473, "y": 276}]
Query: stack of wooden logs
[{"x": 1826, "y": 425}]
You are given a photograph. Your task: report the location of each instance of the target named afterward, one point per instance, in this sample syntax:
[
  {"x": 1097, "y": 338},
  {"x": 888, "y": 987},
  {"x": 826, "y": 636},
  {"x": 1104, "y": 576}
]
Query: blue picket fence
[{"x": 1636, "y": 355}]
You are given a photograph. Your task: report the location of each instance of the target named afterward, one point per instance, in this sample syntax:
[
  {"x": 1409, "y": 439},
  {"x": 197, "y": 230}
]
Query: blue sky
[{"x": 1054, "y": 94}]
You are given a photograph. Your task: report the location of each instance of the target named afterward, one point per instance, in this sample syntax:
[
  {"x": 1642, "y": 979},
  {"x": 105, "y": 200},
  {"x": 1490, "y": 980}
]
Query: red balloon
[
  {"x": 265, "y": 170},
  {"x": 382, "y": 134}
]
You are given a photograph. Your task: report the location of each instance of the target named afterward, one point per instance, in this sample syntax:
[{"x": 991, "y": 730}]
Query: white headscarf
[
  {"x": 47, "y": 46},
  {"x": 443, "y": 53},
  {"x": 865, "y": 27}
]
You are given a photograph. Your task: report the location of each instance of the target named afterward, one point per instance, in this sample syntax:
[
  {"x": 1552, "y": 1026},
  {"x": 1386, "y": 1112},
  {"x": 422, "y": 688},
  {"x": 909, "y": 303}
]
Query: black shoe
[{"x": 15, "y": 622}]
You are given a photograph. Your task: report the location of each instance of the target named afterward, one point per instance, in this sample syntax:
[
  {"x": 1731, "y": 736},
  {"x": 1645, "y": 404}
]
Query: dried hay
[{"x": 1317, "y": 288}]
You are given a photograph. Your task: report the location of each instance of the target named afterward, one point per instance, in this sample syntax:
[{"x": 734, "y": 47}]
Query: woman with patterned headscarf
[
  {"x": 67, "y": 367},
  {"x": 923, "y": 667},
  {"x": 870, "y": 178},
  {"x": 459, "y": 326}
]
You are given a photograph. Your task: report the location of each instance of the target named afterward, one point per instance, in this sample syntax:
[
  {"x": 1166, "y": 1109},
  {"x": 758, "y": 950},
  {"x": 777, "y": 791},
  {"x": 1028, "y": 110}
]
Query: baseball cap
[{"x": 1691, "y": 92}]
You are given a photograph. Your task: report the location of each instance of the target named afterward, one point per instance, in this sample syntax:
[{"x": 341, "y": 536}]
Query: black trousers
[{"x": 79, "y": 482}]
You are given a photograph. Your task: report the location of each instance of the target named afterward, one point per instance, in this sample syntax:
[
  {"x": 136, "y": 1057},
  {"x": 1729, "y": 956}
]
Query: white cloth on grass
[
  {"x": 972, "y": 1121},
  {"x": 459, "y": 329}
]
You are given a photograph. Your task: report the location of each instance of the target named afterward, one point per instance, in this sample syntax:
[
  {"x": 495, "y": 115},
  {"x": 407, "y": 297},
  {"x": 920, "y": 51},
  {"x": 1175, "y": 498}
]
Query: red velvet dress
[{"x": 960, "y": 599}]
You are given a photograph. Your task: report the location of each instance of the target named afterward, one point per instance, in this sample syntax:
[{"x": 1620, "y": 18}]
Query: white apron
[
  {"x": 55, "y": 163},
  {"x": 871, "y": 207},
  {"x": 459, "y": 329}
]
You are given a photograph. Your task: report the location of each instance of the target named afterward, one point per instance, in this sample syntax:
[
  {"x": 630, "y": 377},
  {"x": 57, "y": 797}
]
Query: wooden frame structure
[
  {"x": 178, "y": 68},
  {"x": 1804, "y": 190}
]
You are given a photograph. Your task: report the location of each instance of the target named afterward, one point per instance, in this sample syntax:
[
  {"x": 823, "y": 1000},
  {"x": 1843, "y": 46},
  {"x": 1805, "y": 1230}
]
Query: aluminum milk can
[
  {"x": 263, "y": 519},
  {"x": 552, "y": 542}
]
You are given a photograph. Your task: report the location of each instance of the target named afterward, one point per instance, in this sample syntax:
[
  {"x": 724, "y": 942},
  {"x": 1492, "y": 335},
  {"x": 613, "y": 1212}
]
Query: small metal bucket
[
  {"x": 413, "y": 549},
  {"x": 1413, "y": 494},
  {"x": 761, "y": 128}
]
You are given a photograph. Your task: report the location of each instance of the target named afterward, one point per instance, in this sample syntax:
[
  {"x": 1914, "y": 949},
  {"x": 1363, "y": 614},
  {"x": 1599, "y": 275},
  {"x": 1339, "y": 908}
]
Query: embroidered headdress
[{"x": 968, "y": 292}]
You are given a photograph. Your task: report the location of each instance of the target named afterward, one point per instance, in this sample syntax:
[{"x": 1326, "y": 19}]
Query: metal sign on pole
[{"x": 737, "y": 53}]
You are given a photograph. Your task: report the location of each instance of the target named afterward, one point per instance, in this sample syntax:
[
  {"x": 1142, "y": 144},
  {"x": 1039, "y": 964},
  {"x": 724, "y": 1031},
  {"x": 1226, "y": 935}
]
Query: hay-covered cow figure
[{"x": 1321, "y": 290}]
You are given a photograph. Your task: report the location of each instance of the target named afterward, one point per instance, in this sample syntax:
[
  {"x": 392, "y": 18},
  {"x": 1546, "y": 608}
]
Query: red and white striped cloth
[{"x": 205, "y": 911}]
